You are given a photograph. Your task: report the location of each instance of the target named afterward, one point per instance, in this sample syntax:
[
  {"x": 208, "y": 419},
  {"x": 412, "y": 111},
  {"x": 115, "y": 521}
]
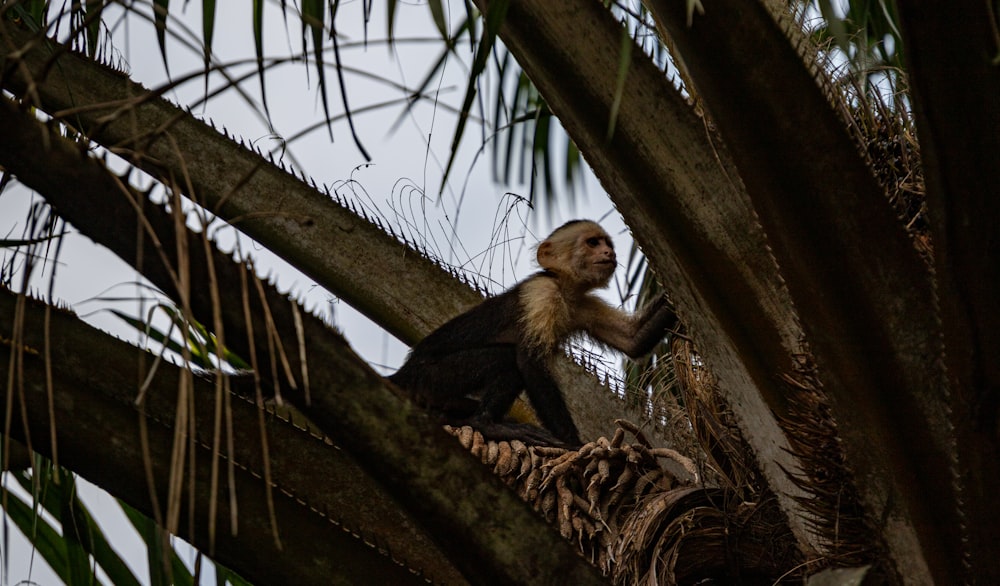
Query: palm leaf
[
  {"x": 161, "y": 9},
  {"x": 494, "y": 17},
  {"x": 83, "y": 542},
  {"x": 208, "y": 32}
]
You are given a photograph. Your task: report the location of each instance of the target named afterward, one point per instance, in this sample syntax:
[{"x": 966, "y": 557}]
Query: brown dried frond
[
  {"x": 657, "y": 382},
  {"x": 730, "y": 460}
]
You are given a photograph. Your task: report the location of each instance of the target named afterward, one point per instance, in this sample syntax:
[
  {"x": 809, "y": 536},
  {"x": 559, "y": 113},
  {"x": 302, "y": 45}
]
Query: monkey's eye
[{"x": 593, "y": 241}]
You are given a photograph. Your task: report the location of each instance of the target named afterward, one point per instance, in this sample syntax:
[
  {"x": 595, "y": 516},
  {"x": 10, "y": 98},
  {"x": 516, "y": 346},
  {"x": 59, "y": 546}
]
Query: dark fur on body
[{"x": 472, "y": 369}]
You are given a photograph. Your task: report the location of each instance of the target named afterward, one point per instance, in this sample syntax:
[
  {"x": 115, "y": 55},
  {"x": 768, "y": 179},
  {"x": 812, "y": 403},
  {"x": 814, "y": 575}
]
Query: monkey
[{"x": 472, "y": 369}]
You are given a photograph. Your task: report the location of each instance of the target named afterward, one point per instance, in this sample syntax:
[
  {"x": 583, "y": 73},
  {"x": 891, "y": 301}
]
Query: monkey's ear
[{"x": 545, "y": 255}]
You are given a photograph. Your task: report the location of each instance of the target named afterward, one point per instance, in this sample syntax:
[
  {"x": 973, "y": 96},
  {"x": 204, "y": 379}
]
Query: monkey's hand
[{"x": 651, "y": 325}]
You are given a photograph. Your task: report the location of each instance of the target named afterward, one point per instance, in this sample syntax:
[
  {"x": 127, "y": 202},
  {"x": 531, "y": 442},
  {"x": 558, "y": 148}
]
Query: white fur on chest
[{"x": 546, "y": 319}]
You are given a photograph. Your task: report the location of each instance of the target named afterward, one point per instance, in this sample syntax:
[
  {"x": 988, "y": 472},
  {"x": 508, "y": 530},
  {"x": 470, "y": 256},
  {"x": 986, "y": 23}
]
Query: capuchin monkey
[{"x": 473, "y": 368}]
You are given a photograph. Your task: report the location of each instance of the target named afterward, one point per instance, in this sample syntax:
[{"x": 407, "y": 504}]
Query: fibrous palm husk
[
  {"x": 729, "y": 458},
  {"x": 695, "y": 534},
  {"x": 832, "y": 499}
]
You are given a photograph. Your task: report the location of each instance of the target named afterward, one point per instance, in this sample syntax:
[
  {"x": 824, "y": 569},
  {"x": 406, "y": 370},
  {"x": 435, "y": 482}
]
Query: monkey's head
[{"x": 581, "y": 252}]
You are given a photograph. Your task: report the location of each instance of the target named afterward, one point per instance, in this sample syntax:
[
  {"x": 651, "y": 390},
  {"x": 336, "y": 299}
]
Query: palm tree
[{"x": 857, "y": 373}]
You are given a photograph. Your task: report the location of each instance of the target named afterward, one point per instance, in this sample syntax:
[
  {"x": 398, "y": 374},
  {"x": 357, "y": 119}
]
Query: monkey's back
[
  {"x": 491, "y": 322},
  {"x": 453, "y": 361}
]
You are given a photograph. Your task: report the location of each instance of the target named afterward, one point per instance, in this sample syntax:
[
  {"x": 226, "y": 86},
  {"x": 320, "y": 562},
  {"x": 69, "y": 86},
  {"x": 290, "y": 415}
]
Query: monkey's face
[
  {"x": 581, "y": 253},
  {"x": 594, "y": 256}
]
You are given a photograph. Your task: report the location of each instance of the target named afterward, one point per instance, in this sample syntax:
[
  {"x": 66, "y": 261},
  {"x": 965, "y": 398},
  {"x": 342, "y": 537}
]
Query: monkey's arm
[{"x": 634, "y": 335}]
